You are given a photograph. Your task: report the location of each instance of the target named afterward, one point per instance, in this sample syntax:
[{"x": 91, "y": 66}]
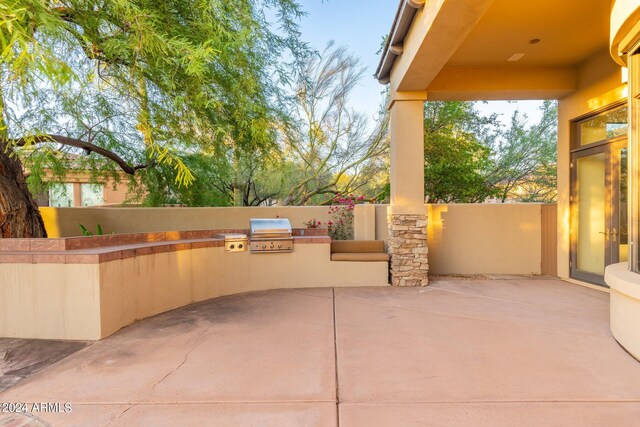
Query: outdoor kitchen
[
  {"x": 267, "y": 236},
  {"x": 86, "y": 288}
]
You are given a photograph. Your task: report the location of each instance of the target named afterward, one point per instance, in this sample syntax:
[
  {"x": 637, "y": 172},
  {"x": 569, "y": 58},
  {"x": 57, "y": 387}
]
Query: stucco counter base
[{"x": 90, "y": 301}]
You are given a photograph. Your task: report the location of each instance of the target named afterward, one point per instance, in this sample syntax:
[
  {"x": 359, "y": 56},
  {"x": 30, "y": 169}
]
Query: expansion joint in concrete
[{"x": 335, "y": 353}]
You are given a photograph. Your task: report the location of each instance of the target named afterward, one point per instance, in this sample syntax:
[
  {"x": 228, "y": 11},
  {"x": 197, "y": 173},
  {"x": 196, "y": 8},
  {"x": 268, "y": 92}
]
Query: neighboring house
[{"x": 78, "y": 188}]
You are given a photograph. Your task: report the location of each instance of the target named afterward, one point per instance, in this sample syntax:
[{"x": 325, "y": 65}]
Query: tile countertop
[{"x": 99, "y": 249}]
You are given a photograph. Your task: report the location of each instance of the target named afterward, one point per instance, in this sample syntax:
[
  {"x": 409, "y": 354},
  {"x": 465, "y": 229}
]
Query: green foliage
[
  {"x": 162, "y": 189},
  {"x": 150, "y": 81},
  {"x": 324, "y": 148},
  {"x": 525, "y": 162},
  {"x": 470, "y": 158},
  {"x": 242, "y": 179},
  {"x": 457, "y": 160},
  {"x": 87, "y": 232}
]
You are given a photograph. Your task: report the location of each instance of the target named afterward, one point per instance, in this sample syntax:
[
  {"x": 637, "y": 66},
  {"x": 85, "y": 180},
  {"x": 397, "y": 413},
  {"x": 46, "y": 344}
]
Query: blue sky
[{"x": 360, "y": 25}]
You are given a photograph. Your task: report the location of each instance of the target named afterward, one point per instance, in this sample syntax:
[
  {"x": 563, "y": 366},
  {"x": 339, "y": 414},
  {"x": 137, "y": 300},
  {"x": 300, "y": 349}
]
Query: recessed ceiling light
[
  {"x": 515, "y": 57},
  {"x": 534, "y": 41}
]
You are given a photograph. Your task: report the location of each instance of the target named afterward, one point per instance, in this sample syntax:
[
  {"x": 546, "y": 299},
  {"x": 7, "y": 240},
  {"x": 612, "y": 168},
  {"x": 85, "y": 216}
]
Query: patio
[{"x": 522, "y": 351}]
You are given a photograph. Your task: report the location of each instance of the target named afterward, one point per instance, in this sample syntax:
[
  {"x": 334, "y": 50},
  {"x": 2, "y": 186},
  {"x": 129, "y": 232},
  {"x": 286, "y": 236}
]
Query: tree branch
[{"x": 87, "y": 146}]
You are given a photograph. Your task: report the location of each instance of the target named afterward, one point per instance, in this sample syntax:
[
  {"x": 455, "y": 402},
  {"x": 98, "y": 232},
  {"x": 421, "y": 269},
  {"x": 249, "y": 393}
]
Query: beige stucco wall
[
  {"x": 486, "y": 238},
  {"x": 174, "y": 279},
  {"x": 625, "y": 306},
  {"x": 92, "y": 301},
  {"x": 63, "y": 222},
  {"x": 365, "y": 227},
  {"x": 50, "y": 301},
  {"x": 600, "y": 84}
]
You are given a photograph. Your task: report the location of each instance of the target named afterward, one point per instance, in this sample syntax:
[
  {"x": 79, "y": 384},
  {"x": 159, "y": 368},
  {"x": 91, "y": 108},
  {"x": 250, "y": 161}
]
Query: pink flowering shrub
[{"x": 341, "y": 211}]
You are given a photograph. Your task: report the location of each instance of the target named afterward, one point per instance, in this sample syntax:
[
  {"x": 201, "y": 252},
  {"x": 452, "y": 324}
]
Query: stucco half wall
[
  {"x": 625, "y": 306},
  {"x": 479, "y": 238},
  {"x": 92, "y": 301},
  {"x": 489, "y": 238},
  {"x": 64, "y": 222}
]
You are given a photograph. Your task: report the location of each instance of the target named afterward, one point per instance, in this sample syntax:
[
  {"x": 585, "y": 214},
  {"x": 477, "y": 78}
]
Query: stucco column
[{"x": 407, "y": 213}]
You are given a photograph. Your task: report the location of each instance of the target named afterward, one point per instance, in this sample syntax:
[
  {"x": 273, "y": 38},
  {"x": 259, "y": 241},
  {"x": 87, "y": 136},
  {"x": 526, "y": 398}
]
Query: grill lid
[{"x": 262, "y": 227}]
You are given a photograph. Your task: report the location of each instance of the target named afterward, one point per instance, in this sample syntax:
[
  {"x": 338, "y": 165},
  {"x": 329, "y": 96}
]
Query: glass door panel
[
  {"x": 591, "y": 213},
  {"x": 599, "y": 195},
  {"x": 621, "y": 234}
]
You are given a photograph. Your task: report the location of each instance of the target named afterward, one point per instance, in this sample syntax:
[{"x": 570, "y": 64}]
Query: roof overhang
[
  {"x": 394, "y": 45},
  {"x": 493, "y": 49}
]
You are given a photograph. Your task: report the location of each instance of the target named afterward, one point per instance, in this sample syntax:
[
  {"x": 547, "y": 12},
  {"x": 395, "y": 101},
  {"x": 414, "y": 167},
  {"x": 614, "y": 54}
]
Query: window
[
  {"x": 92, "y": 194},
  {"x": 601, "y": 128},
  {"x": 608, "y": 125},
  {"x": 61, "y": 195}
]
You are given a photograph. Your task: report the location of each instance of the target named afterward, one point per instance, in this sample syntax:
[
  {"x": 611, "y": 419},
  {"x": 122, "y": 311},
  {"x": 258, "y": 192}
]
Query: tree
[
  {"x": 525, "y": 159},
  {"x": 160, "y": 187},
  {"x": 457, "y": 159},
  {"x": 135, "y": 82},
  {"x": 331, "y": 144},
  {"x": 469, "y": 158}
]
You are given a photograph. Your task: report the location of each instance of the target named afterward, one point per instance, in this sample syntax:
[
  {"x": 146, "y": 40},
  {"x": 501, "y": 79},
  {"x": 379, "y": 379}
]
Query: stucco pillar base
[{"x": 408, "y": 250}]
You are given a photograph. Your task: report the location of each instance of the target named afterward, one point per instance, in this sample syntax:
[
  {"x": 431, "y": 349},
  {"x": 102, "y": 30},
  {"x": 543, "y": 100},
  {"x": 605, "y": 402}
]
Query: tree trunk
[{"x": 19, "y": 215}]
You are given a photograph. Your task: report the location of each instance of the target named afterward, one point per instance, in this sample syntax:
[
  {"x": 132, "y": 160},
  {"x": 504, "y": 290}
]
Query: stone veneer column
[
  {"x": 408, "y": 250},
  {"x": 407, "y": 217}
]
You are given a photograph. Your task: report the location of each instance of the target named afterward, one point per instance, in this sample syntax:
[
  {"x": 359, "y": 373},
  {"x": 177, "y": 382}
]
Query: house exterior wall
[
  {"x": 549, "y": 240},
  {"x": 116, "y": 193},
  {"x": 625, "y": 284},
  {"x": 447, "y": 52},
  {"x": 599, "y": 85},
  {"x": 624, "y": 27}
]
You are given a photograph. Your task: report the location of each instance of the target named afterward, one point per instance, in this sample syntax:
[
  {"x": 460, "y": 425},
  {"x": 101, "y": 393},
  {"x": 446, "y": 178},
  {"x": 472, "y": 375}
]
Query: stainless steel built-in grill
[{"x": 271, "y": 235}]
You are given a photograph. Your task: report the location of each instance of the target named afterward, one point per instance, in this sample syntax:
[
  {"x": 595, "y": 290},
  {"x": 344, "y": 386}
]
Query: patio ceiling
[
  {"x": 568, "y": 32},
  {"x": 456, "y": 51}
]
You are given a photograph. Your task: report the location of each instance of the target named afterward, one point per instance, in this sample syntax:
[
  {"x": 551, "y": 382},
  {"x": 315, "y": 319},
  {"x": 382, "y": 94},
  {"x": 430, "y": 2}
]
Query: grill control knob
[
  {"x": 232, "y": 246},
  {"x": 279, "y": 246},
  {"x": 264, "y": 246},
  {"x": 240, "y": 246}
]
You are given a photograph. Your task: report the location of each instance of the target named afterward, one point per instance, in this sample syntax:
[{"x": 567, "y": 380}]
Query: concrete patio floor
[{"x": 525, "y": 352}]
